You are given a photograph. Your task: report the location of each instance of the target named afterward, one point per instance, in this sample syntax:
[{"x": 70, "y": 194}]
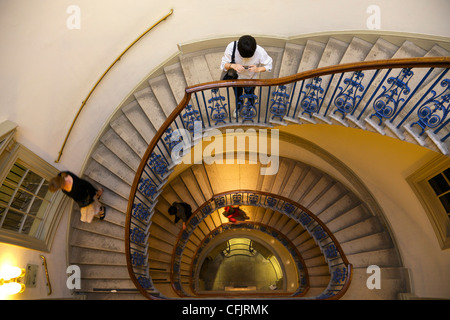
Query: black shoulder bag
[{"x": 231, "y": 74}]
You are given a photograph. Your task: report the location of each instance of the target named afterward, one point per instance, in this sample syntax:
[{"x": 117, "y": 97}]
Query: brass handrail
[
  {"x": 49, "y": 285},
  {"x": 101, "y": 78}
]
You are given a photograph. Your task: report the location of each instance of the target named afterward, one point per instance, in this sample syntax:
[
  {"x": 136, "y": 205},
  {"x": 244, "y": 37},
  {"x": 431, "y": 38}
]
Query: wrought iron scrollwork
[
  {"x": 346, "y": 100},
  {"x": 339, "y": 275},
  {"x": 158, "y": 165},
  {"x": 207, "y": 209},
  {"x": 140, "y": 212},
  {"x": 386, "y": 104},
  {"x": 137, "y": 235},
  {"x": 331, "y": 252},
  {"x": 147, "y": 187},
  {"x": 145, "y": 282},
  {"x": 271, "y": 202},
  {"x": 253, "y": 198},
  {"x": 138, "y": 259},
  {"x": 248, "y": 103},
  {"x": 288, "y": 208},
  {"x": 190, "y": 116},
  {"x": 311, "y": 101},
  {"x": 218, "y": 107},
  {"x": 434, "y": 111},
  {"x": 237, "y": 198},
  {"x": 220, "y": 201},
  {"x": 319, "y": 233},
  {"x": 280, "y": 102},
  {"x": 171, "y": 140}
]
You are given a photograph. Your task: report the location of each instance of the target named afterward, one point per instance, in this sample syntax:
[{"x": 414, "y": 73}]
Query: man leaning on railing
[{"x": 249, "y": 60}]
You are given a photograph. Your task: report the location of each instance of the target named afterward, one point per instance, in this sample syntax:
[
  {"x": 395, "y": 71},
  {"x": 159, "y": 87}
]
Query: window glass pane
[
  {"x": 447, "y": 174},
  {"x": 34, "y": 209},
  {"x": 16, "y": 174},
  {"x": 31, "y": 226},
  {"x": 21, "y": 200},
  {"x": 32, "y": 182},
  {"x": 12, "y": 221},
  {"x": 445, "y": 200},
  {"x": 43, "y": 191},
  {"x": 24, "y": 199},
  {"x": 5, "y": 194},
  {"x": 2, "y": 212},
  {"x": 439, "y": 184}
]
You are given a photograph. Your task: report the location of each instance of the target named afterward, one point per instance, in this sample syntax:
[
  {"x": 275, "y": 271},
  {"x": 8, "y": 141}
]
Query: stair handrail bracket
[{"x": 402, "y": 96}]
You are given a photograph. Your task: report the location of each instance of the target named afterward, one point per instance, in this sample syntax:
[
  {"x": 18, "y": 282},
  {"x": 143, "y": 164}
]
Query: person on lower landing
[
  {"x": 231, "y": 213},
  {"x": 82, "y": 192},
  {"x": 250, "y": 60},
  {"x": 181, "y": 210},
  {"x": 234, "y": 213}
]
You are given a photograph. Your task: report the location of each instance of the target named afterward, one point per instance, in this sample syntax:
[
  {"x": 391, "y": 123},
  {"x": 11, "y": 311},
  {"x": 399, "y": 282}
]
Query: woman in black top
[{"x": 82, "y": 192}]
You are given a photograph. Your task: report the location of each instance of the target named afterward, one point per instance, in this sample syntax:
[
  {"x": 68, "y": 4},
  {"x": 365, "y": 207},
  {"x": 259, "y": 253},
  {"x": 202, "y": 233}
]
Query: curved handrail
[
  {"x": 292, "y": 209},
  {"x": 435, "y": 62},
  {"x": 101, "y": 78},
  {"x": 439, "y": 62},
  {"x": 151, "y": 197}
]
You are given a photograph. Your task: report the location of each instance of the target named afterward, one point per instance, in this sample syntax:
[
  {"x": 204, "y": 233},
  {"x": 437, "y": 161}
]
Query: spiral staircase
[{"x": 99, "y": 248}]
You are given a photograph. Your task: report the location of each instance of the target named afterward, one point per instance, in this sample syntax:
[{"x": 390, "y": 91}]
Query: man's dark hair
[
  {"x": 246, "y": 46},
  {"x": 172, "y": 210}
]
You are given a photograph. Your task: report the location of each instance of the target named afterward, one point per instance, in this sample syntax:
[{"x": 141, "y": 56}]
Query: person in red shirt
[{"x": 231, "y": 213}]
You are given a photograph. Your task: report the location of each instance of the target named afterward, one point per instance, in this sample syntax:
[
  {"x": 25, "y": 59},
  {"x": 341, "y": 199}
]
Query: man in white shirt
[{"x": 250, "y": 60}]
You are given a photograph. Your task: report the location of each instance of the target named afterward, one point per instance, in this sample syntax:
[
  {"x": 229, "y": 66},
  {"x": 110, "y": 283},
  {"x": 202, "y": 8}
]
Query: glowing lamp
[{"x": 10, "y": 280}]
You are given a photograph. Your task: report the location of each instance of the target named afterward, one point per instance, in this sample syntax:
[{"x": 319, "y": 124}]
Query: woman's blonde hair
[{"x": 56, "y": 183}]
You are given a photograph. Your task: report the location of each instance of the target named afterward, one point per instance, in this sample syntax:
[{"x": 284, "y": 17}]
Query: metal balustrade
[{"x": 404, "y": 96}]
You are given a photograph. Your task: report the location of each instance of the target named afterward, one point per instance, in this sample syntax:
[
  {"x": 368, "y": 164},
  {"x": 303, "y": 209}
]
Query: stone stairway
[
  {"x": 98, "y": 248},
  {"x": 361, "y": 234},
  {"x": 180, "y": 189},
  {"x": 208, "y": 176}
]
